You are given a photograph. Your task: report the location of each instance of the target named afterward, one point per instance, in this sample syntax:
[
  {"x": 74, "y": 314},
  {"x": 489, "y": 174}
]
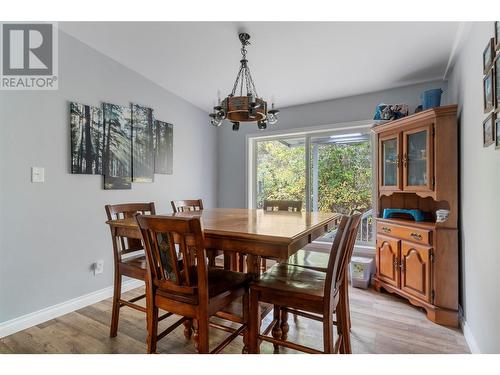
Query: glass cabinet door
[
  {"x": 417, "y": 160},
  {"x": 389, "y": 163}
]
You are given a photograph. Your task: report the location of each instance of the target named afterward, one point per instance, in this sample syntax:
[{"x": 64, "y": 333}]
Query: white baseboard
[
  {"x": 29, "y": 320},
  {"x": 469, "y": 338}
]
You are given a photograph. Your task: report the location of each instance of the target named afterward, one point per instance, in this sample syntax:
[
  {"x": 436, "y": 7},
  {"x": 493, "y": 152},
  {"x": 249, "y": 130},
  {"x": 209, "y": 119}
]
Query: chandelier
[{"x": 243, "y": 104}]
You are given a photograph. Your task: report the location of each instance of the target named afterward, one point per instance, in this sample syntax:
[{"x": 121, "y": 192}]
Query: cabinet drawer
[{"x": 417, "y": 235}]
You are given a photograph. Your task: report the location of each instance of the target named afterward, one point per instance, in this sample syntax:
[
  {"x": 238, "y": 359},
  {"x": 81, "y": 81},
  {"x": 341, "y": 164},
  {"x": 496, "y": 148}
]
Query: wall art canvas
[
  {"x": 489, "y": 130},
  {"x": 142, "y": 144},
  {"x": 488, "y": 55},
  {"x": 117, "y": 167},
  {"x": 488, "y": 94},
  {"x": 497, "y": 82},
  {"x": 497, "y": 35},
  {"x": 87, "y": 139},
  {"x": 164, "y": 147},
  {"x": 497, "y": 133}
]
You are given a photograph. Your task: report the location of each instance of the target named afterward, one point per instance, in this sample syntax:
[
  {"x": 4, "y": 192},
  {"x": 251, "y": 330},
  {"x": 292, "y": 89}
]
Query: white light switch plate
[{"x": 37, "y": 174}]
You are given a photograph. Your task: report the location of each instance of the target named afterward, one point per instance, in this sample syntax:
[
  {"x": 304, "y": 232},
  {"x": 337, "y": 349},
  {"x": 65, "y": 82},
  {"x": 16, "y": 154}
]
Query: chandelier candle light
[{"x": 237, "y": 107}]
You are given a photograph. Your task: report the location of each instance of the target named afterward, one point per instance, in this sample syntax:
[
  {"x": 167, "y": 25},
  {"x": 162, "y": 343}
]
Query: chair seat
[
  {"x": 219, "y": 281},
  {"x": 293, "y": 281},
  {"x": 317, "y": 260},
  {"x": 139, "y": 262}
]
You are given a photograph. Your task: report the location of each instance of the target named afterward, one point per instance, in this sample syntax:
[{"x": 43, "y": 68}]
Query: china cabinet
[{"x": 417, "y": 168}]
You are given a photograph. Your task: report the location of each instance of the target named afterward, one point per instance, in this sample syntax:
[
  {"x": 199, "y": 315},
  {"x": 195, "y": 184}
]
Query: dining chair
[
  {"x": 230, "y": 258},
  {"x": 282, "y": 205},
  {"x": 308, "y": 293},
  {"x": 180, "y": 281},
  {"x": 133, "y": 265},
  {"x": 318, "y": 260},
  {"x": 187, "y": 205}
]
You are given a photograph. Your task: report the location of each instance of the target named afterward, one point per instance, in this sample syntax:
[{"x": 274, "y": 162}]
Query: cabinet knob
[{"x": 386, "y": 230}]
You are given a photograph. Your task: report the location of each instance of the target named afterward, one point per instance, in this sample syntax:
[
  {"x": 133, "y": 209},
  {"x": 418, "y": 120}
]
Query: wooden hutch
[{"x": 417, "y": 168}]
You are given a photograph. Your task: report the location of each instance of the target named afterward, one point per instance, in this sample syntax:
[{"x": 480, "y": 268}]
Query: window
[{"x": 328, "y": 171}]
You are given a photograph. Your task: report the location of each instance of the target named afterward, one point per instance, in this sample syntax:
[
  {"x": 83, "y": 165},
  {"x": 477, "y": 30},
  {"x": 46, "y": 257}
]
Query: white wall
[
  {"x": 51, "y": 233},
  {"x": 480, "y": 202},
  {"x": 231, "y": 155}
]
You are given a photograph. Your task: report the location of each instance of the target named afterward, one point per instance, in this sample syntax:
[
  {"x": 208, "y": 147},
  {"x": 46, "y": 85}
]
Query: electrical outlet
[{"x": 98, "y": 267}]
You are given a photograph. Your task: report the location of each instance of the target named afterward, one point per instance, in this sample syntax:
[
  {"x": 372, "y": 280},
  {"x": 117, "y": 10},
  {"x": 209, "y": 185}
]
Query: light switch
[{"x": 37, "y": 174}]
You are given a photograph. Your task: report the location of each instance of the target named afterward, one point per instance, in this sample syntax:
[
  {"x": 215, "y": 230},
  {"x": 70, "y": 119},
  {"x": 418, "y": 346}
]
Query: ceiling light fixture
[{"x": 243, "y": 104}]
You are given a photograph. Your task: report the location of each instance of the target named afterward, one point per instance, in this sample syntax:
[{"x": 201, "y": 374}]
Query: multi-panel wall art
[
  {"x": 164, "y": 147},
  {"x": 87, "y": 139},
  {"x": 125, "y": 144},
  {"x": 117, "y": 167},
  {"x": 143, "y": 168}
]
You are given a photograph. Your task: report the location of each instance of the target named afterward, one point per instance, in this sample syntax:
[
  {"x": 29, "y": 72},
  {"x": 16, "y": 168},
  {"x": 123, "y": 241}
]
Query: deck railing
[{"x": 365, "y": 231}]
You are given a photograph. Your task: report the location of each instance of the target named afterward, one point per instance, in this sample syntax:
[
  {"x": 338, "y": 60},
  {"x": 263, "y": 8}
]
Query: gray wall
[
  {"x": 480, "y": 202},
  {"x": 232, "y": 158},
  {"x": 51, "y": 233}
]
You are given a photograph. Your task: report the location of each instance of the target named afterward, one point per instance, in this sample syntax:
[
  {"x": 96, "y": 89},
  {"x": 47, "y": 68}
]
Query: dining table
[
  {"x": 253, "y": 232},
  {"x": 256, "y": 233}
]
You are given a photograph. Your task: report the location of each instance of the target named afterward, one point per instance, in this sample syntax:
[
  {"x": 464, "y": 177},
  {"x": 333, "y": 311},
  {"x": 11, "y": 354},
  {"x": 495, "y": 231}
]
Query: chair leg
[
  {"x": 196, "y": 333},
  {"x": 348, "y": 308},
  {"x": 152, "y": 323},
  {"x": 284, "y": 325},
  {"x": 342, "y": 323},
  {"x": 115, "y": 312},
  {"x": 277, "y": 332},
  {"x": 203, "y": 335},
  {"x": 328, "y": 333},
  {"x": 188, "y": 328},
  {"x": 246, "y": 309},
  {"x": 253, "y": 324}
]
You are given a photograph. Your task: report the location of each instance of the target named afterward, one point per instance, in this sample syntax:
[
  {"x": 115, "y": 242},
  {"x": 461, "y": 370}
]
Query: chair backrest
[
  {"x": 175, "y": 254},
  {"x": 341, "y": 253},
  {"x": 279, "y": 205},
  {"x": 123, "y": 245},
  {"x": 187, "y": 205}
]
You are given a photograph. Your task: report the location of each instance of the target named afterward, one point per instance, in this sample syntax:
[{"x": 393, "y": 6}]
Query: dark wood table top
[{"x": 253, "y": 232}]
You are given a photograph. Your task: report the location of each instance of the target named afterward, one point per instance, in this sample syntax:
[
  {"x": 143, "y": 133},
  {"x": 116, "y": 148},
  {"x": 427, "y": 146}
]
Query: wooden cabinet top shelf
[{"x": 415, "y": 118}]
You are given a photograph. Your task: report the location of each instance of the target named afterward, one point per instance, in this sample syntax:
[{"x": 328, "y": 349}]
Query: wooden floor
[{"x": 381, "y": 323}]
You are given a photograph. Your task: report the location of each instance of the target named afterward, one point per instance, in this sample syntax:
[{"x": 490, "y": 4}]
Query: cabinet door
[
  {"x": 388, "y": 260},
  {"x": 389, "y": 162},
  {"x": 416, "y": 270},
  {"x": 418, "y": 172}
]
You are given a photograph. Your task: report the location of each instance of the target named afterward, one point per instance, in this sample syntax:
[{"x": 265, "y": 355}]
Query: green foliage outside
[{"x": 344, "y": 175}]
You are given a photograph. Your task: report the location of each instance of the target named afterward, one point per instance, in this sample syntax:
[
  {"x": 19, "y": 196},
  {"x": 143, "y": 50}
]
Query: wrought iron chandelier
[{"x": 244, "y": 104}]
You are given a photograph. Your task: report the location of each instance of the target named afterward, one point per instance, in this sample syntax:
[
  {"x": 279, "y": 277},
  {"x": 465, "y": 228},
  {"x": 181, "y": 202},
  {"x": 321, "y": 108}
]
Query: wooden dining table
[{"x": 255, "y": 233}]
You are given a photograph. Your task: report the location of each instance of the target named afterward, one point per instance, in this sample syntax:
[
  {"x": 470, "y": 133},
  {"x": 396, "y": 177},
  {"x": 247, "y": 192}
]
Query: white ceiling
[{"x": 294, "y": 62}]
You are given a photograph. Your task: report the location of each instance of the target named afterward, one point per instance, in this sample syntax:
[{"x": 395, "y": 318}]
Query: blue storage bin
[{"x": 431, "y": 98}]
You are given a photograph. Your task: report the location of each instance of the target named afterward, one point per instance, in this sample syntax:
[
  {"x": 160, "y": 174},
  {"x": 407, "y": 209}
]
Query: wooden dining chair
[
  {"x": 230, "y": 258},
  {"x": 282, "y": 205},
  {"x": 318, "y": 260},
  {"x": 309, "y": 293},
  {"x": 133, "y": 266},
  {"x": 180, "y": 281}
]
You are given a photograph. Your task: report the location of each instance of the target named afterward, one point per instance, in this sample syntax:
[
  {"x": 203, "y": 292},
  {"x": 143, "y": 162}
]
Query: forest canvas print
[
  {"x": 87, "y": 139},
  {"x": 164, "y": 147},
  {"x": 142, "y": 144},
  {"x": 117, "y": 166}
]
